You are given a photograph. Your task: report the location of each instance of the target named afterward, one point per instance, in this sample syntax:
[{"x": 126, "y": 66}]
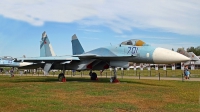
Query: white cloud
[
  {"x": 91, "y": 38},
  {"x": 175, "y": 45},
  {"x": 36, "y": 12},
  {"x": 177, "y": 16},
  {"x": 146, "y": 37},
  {"x": 90, "y": 30}
]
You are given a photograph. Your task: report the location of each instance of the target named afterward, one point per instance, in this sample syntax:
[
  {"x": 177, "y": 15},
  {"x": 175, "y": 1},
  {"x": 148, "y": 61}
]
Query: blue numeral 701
[{"x": 133, "y": 50}]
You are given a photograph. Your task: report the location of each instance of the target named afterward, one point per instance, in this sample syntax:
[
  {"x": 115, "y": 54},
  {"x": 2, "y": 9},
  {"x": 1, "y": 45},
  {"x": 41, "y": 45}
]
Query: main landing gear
[
  {"x": 61, "y": 76},
  {"x": 114, "y": 78},
  {"x": 93, "y": 75}
]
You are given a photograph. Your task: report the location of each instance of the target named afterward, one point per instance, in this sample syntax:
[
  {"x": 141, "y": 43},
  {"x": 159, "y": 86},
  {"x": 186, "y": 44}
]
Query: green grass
[{"x": 33, "y": 93}]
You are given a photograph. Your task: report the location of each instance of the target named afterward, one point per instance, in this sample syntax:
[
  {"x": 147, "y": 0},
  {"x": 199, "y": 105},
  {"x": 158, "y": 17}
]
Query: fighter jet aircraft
[
  {"x": 46, "y": 50},
  {"x": 8, "y": 61},
  {"x": 110, "y": 56}
]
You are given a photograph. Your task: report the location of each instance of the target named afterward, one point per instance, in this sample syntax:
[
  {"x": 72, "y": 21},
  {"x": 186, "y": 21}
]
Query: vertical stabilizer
[
  {"x": 46, "y": 49},
  {"x": 76, "y": 46}
]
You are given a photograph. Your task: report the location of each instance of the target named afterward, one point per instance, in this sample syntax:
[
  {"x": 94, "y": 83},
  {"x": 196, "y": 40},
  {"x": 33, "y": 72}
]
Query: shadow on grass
[
  {"x": 31, "y": 79},
  {"x": 107, "y": 80},
  {"x": 143, "y": 83}
]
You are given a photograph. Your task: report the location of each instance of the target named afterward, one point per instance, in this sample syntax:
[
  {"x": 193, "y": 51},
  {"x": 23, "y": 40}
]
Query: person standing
[
  {"x": 186, "y": 72},
  {"x": 11, "y": 73}
]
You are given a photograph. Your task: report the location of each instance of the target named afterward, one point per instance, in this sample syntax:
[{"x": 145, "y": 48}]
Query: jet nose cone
[{"x": 166, "y": 56}]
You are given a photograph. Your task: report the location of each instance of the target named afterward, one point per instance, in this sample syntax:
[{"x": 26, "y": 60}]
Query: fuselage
[{"x": 138, "y": 54}]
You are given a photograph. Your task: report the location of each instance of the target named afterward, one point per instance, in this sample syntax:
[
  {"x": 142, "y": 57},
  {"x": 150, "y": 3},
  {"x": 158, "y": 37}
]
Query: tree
[
  {"x": 197, "y": 51},
  {"x": 194, "y": 50}
]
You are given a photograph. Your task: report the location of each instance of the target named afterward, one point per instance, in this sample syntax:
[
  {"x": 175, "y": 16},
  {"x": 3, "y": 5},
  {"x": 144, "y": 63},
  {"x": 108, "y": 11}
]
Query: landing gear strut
[
  {"x": 61, "y": 76},
  {"x": 114, "y": 78}
]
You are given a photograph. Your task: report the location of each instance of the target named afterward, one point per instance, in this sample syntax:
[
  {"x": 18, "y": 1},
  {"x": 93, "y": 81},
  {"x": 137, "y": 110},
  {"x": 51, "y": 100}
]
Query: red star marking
[{"x": 45, "y": 42}]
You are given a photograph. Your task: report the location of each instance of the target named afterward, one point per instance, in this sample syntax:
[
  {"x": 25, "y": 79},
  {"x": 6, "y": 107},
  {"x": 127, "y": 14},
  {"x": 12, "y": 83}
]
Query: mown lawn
[{"x": 41, "y": 93}]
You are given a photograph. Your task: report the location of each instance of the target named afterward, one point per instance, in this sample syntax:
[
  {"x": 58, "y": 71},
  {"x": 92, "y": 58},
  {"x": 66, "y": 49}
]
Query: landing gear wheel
[
  {"x": 114, "y": 80},
  {"x": 60, "y": 77},
  {"x": 93, "y": 76}
]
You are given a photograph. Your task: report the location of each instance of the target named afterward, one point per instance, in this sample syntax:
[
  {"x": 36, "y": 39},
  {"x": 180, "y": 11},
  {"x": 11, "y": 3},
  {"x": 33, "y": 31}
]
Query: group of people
[{"x": 186, "y": 72}]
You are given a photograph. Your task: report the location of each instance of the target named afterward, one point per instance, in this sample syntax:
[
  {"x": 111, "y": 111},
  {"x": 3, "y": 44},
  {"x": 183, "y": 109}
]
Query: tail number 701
[{"x": 132, "y": 50}]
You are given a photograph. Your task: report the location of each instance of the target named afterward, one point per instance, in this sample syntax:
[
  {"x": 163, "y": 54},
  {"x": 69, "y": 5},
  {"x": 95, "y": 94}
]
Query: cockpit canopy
[{"x": 134, "y": 42}]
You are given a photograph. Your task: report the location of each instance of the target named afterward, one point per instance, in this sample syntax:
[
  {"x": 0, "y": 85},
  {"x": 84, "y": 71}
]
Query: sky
[{"x": 97, "y": 23}]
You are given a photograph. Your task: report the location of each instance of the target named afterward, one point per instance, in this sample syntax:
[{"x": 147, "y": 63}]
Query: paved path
[{"x": 136, "y": 77}]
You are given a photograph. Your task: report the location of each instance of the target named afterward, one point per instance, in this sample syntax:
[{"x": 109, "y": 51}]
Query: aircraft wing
[
  {"x": 51, "y": 59},
  {"x": 86, "y": 56},
  {"x": 94, "y": 56}
]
